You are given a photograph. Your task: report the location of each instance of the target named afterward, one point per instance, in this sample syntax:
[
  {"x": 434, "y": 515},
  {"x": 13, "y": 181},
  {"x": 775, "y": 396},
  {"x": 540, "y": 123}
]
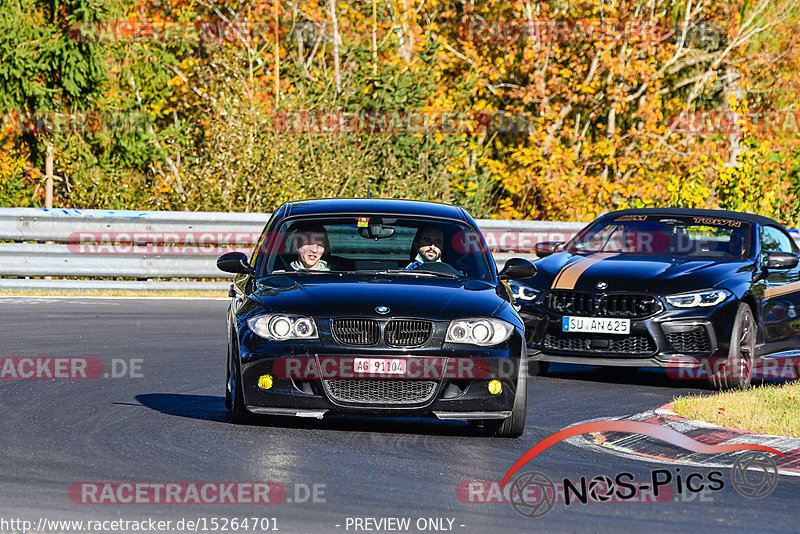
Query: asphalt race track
[{"x": 166, "y": 422}]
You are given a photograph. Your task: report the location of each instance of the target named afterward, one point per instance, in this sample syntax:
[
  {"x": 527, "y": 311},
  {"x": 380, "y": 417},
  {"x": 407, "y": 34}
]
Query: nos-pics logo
[{"x": 533, "y": 494}]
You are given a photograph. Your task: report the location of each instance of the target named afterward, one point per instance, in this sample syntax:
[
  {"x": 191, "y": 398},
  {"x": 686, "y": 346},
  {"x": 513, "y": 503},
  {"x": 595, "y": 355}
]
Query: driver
[
  {"x": 736, "y": 243},
  {"x": 631, "y": 239},
  {"x": 428, "y": 244},
  {"x": 310, "y": 242}
]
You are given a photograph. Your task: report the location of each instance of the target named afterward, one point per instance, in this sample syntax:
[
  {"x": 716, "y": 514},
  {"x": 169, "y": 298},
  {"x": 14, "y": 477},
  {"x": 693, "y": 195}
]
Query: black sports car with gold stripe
[{"x": 700, "y": 292}]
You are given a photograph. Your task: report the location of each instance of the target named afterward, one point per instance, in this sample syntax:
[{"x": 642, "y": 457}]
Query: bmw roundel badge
[
  {"x": 601, "y": 285},
  {"x": 383, "y": 310}
]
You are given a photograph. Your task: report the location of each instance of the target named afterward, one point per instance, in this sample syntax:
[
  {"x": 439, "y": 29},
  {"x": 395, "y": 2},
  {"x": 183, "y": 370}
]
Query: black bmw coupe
[
  {"x": 683, "y": 289},
  {"x": 378, "y": 308}
]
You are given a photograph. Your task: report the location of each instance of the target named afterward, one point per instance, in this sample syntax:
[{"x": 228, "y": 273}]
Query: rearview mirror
[
  {"x": 234, "y": 262},
  {"x": 517, "y": 269},
  {"x": 545, "y": 248},
  {"x": 782, "y": 260},
  {"x": 376, "y": 231}
]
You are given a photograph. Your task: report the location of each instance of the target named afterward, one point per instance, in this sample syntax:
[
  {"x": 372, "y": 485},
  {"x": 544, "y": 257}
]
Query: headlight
[
  {"x": 479, "y": 331},
  {"x": 522, "y": 292},
  {"x": 709, "y": 297},
  {"x": 283, "y": 327}
]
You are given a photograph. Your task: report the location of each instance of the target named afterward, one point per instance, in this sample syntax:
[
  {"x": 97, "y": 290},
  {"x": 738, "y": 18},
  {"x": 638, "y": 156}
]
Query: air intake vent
[
  {"x": 356, "y": 332},
  {"x": 614, "y": 305},
  {"x": 407, "y": 333},
  {"x": 693, "y": 341},
  {"x": 589, "y": 343},
  {"x": 376, "y": 391}
]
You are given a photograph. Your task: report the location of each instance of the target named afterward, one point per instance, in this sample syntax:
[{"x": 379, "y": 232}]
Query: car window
[
  {"x": 665, "y": 235},
  {"x": 773, "y": 239},
  {"x": 370, "y": 242}
]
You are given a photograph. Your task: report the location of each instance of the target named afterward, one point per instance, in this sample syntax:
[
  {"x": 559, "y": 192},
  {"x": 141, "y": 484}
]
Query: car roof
[
  {"x": 692, "y": 212},
  {"x": 332, "y": 206}
]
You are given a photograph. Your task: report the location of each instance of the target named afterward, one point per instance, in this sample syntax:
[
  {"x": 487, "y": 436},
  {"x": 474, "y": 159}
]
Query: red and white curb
[{"x": 645, "y": 448}]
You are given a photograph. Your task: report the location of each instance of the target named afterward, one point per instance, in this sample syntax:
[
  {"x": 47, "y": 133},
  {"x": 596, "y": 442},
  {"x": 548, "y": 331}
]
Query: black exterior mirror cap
[
  {"x": 782, "y": 260},
  {"x": 518, "y": 269},
  {"x": 234, "y": 262},
  {"x": 545, "y": 248}
]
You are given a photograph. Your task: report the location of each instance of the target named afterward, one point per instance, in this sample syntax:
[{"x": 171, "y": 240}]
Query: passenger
[
  {"x": 310, "y": 242},
  {"x": 428, "y": 245}
]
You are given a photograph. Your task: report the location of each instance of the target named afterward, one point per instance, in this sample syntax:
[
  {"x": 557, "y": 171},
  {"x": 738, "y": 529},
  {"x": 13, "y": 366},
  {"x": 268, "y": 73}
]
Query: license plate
[
  {"x": 596, "y": 325},
  {"x": 380, "y": 366}
]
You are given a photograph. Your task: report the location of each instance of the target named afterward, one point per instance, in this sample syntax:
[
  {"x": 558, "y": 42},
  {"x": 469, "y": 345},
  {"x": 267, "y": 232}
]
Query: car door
[{"x": 781, "y": 293}]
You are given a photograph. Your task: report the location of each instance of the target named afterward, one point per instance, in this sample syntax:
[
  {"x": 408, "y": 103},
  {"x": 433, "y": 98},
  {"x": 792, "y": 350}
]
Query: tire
[
  {"x": 228, "y": 385},
  {"x": 239, "y": 413},
  {"x": 514, "y": 425},
  {"x": 737, "y": 370}
]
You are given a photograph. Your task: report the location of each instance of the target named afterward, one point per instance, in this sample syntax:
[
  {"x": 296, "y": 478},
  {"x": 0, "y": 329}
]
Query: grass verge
[
  {"x": 768, "y": 409},
  {"x": 114, "y": 293}
]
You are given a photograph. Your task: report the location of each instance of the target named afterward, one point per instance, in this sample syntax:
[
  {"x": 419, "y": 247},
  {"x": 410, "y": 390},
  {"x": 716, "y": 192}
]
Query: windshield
[
  {"x": 376, "y": 244},
  {"x": 666, "y": 235}
]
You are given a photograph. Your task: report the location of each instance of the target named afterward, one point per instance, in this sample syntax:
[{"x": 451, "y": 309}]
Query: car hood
[
  {"x": 332, "y": 296},
  {"x": 625, "y": 272}
]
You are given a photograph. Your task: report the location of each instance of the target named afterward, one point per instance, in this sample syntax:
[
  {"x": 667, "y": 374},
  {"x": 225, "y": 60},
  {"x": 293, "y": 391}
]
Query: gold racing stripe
[
  {"x": 777, "y": 291},
  {"x": 564, "y": 268},
  {"x": 569, "y": 274}
]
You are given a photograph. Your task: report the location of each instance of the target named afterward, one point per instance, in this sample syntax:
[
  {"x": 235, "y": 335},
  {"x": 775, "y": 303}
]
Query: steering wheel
[{"x": 439, "y": 267}]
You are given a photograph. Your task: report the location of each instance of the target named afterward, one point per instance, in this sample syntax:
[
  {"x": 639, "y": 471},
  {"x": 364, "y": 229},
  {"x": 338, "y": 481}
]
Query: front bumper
[
  {"x": 671, "y": 338},
  {"x": 308, "y": 381}
]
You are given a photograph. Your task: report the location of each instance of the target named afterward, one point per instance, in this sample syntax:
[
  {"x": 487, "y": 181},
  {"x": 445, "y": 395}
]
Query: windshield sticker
[
  {"x": 717, "y": 222},
  {"x": 363, "y": 222},
  {"x": 631, "y": 218}
]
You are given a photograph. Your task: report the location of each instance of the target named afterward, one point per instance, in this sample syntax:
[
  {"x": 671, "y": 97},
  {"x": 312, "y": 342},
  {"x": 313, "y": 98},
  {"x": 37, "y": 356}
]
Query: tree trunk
[{"x": 336, "y": 74}]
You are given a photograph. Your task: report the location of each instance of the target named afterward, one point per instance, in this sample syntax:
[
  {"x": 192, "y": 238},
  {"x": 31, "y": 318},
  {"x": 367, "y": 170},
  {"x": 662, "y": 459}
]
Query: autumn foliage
[{"x": 567, "y": 109}]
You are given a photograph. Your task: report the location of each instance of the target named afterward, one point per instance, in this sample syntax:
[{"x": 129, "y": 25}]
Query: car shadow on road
[
  {"x": 624, "y": 375},
  {"x": 205, "y": 407},
  {"x": 212, "y": 408}
]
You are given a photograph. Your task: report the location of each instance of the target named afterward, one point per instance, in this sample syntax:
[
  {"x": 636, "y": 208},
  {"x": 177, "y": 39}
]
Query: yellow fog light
[
  {"x": 265, "y": 381},
  {"x": 495, "y": 387}
]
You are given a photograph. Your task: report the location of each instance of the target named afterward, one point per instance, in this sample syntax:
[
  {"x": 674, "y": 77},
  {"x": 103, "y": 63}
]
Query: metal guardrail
[
  {"x": 38, "y": 259},
  {"x": 147, "y": 244},
  {"x": 184, "y": 245},
  {"x": 67, "y": 225},
  {"x": 115, "y": 285}
]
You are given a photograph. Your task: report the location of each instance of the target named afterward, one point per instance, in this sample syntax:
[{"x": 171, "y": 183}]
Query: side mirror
[
  {"x": 782, "y": 260},
  {"x": 545, "y": 248},
  {"x": 234, "y": 262},
  {"x": 517, "y": 269}
]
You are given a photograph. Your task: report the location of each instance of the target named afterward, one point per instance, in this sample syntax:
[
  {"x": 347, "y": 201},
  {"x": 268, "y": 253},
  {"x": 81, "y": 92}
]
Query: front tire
[
  {"x": 228, "y": 384},
  {"x": 737, "y": 370},
  {"x": 514, "y": 425},
  {"x": 239, "y": 413}
]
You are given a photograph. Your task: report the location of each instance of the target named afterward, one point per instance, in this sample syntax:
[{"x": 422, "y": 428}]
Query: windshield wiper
[
  {"x": 301, "y": 271},
  {"x": 420, "y": 271},
  {"x": 415, "y": 272}
]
